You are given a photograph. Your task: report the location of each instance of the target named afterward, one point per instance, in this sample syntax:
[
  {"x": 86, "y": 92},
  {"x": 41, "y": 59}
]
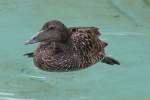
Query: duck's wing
[
  {"x": 90, "y": 30},
  {"x": 86, "y": 42}
]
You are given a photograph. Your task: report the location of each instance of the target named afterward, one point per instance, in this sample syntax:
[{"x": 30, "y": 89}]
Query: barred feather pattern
[
  {"x": 86, "y": 49},
  {"x": 88, "y": 45}
]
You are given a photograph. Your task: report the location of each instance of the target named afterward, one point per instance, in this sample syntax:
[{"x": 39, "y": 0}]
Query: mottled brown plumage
[{"x": 68, "y": 49}]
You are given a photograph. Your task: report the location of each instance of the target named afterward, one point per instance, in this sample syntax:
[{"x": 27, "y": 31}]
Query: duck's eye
[{"x": 52, "y": 27}]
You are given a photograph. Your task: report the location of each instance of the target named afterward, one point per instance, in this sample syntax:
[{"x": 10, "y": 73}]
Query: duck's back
[{"x": 90, "y": 30}]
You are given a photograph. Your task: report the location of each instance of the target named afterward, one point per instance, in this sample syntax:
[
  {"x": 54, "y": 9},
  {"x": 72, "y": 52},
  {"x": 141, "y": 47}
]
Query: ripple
[
  {"x": 6, "y": 94},
  {"x": 38, "y": 77},
  {"x": 13, "y": 98},
  {"x": 122, "y": 12},
  {"x": 127, "y": 34}
]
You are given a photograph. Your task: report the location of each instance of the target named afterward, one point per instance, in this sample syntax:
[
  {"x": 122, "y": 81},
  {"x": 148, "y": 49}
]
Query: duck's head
[{"x": 52, "y": 31}]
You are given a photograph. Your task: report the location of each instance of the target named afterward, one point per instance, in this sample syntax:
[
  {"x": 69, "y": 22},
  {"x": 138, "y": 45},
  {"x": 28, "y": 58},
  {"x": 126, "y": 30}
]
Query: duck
[{"x": 62, "y": 49}]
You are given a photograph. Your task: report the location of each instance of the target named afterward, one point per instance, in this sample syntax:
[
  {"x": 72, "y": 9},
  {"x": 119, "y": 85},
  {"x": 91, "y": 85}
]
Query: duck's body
[{"x": 80, "y": 49}]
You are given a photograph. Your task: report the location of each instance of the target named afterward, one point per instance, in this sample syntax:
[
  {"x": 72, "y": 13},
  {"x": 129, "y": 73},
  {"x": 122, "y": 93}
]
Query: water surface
[{"x": 124, "y": 24}]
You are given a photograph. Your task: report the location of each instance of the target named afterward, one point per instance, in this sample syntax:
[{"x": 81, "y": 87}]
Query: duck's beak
[{"x": 36, "y": 38}]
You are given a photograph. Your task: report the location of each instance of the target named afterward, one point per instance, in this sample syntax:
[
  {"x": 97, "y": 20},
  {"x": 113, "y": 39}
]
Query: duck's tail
[
  {"x": 29, "y": 54},
  {"x": 110, "y": 61}
]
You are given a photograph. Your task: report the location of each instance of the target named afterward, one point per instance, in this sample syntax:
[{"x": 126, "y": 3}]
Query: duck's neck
[{"x": 67, "y": 39}]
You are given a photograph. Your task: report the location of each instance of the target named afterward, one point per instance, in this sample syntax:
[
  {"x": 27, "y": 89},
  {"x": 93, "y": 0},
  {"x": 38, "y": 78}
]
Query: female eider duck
[{"x": 68, "y": 49}]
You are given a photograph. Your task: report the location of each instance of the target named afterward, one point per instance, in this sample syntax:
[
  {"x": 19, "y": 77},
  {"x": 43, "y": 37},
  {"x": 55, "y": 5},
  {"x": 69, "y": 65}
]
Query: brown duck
[{"x": 68, "y": 49}]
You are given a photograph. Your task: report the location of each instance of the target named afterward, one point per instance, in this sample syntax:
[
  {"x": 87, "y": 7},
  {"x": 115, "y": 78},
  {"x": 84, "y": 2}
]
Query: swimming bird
[{"x": 68, "y": 49}]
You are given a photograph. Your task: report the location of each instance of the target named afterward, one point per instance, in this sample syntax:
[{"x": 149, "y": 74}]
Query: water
[{"x": 124, "y": 24}]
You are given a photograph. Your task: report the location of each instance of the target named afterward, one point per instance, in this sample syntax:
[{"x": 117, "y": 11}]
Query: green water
[{"x": 124, "y": 24}]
